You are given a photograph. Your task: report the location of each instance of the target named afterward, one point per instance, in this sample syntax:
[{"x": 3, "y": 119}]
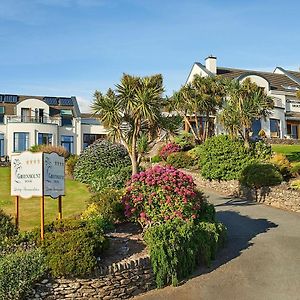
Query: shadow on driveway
[{"x": 240, "y": 232}]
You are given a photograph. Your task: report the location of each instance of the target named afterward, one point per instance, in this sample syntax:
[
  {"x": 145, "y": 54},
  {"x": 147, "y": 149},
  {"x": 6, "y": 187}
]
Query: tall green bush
[
  {"x": 7, "y": 228},
  {"x": 72, "y": 247},
  {"x": 258, "y": 175},
  {"x": 177, "y": 247},
  {"x": 224, "y": 158},
  {"x": 19, "y": 271},
  {"x": 103, "y": 164},
  {"x": 180, "y": 160}
]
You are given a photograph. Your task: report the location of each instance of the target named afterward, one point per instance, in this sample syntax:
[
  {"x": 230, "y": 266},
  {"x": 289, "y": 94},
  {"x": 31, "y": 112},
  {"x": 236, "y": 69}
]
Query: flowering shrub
[
  {"x": 160, "y": 194},
  {"x": 168, "y": 149}
]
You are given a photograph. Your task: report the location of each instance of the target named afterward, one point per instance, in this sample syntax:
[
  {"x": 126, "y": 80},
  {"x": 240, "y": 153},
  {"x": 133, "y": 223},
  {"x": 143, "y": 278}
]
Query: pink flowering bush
[
  {"x": 168, "y": 149},
  {"x": 162, "y": 193}
]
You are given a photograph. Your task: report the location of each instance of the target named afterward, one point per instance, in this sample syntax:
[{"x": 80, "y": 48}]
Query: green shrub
[
  {"x": 19, "y": 242},
  {"x": 103, "y": 164},
  {"x": 177, "y": 247},
  {"x": 70, "y": 164},
  {"x": 7, "y": 228},
  {"x": 185, "y": 140},
  {"x": 19, "y": 271},
  {"x": 295, "y": 169},
  {"x": 72, "y": 247},
  {"x": 180, "y": 160},
  {"x": 260, "y": 150},
  {"x": 156, "y": 159},
  {"x": 106, "y": 204},
  {"x": 222, "y": 158},
  {"x": 283, "y": 165},
  {"x": 258, "y": 175},
  {"x": 295, "y": 184},
  {"x": 114, "y": 177}
]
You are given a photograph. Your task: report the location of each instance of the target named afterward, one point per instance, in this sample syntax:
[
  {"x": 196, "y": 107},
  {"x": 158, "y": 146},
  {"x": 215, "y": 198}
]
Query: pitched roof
[{"x": 277, "y": 81}]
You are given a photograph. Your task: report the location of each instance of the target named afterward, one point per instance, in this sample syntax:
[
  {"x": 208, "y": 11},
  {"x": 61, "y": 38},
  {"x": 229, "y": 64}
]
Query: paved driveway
[{"x": 260, "y": 261}]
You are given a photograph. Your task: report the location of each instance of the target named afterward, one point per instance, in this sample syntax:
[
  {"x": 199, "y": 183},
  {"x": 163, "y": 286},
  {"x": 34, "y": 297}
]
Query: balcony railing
[{"x": 41, "y": 120}]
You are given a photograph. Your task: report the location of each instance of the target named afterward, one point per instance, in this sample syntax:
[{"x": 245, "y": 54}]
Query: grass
[
  {"x": 292, "y": 152},
  {"x": 73, "y": 203}
]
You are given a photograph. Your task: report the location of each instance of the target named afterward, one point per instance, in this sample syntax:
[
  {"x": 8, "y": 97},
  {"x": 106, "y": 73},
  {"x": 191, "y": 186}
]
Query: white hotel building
[
  {"x": 31, "y": 120},
  {"x": 281, "y": 85}
]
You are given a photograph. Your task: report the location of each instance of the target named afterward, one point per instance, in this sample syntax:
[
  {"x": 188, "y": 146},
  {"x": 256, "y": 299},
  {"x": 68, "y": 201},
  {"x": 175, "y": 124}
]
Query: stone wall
[
  {"x": 118, "y": 281},
  {"x": 280, "y": 196},
  {"x": 283, "y": 141}
]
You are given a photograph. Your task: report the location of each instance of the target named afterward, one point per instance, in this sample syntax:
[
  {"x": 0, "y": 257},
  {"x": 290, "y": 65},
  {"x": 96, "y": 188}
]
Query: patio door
[{"x": 25, "y": 114}]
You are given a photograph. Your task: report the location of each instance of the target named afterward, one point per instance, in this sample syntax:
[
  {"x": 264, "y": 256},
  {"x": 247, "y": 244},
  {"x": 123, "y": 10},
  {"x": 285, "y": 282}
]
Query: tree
[
  {"x": 245, "y": 102},
  {"x": 202, "y": 97},
  {"x": 133, "y": 113},
  {"x": 298, "y": 94}
]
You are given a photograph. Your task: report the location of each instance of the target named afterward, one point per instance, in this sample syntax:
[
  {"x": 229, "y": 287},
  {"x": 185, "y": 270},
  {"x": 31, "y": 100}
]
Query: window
[
  {"x": 1, "y": 145},
  {"x": 66, "y": 117},
  {"x": 67, "y": 141},
  {"x": 21, "y": 141},
  {"x": 89, "y": 139},
  {"x": 274, "y": 128},
  {"x": 45, "y": 139},
  {"x": 256, "y": 127},
  {"x": 2, "y": 110}
]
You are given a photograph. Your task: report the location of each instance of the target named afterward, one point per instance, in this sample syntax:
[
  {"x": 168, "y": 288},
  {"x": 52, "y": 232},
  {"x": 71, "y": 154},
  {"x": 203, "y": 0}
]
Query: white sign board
[
  {"x": 54, "y": 175},
  {"x": 27, "y": 175},
  {"x": 37, "y": 174}
]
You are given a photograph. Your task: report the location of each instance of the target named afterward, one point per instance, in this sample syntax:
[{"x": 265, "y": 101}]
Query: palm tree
[
  {"x": 245, "y": 103},
  {"x": 133, "y": 114},
  {"x": 202, "y": 97}
]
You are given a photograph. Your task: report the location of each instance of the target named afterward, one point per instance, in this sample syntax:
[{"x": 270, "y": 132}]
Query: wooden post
[
  {"x": 17, "y": 212},
  {"x": 42, "y": 217},
  {"x": 60, "y": 208}
]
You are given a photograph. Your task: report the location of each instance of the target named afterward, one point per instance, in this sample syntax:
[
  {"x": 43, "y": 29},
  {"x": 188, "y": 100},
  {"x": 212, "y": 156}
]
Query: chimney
[{"x": 211, "y": 64}]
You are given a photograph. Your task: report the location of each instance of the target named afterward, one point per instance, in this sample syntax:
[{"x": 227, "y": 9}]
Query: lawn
[
  {"x": 292, "y": 152},
  {"x": 73, "y": 203}
]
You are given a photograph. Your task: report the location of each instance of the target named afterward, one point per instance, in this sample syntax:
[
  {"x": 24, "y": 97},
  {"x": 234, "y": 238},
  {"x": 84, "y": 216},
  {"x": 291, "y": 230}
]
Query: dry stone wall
[
  {"x": 281, "y": 196},
  {"x": 118, "y": 281}
]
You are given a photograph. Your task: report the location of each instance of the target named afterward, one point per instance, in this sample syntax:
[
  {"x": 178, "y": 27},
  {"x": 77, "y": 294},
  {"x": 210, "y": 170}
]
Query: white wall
[
  {"x": 33, "y": 129},
  {"x": 33, "y": 104}
]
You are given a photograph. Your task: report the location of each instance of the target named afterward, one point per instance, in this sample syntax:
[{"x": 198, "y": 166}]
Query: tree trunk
[
  {"x": 247, "y": 139},
  {"x": 134, "y": 163}
]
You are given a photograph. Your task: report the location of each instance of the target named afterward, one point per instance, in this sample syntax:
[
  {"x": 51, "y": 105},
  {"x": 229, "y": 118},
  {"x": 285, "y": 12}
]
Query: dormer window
[{"x": 66, "y": 117}]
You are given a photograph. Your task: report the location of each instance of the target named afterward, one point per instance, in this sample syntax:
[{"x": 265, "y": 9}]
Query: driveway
[{"x": 260, "y": 261}]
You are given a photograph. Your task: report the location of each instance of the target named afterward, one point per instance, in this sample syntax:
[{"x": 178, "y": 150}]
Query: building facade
[
  {"x": 281, "y": 85},
  {"x": 26, "y": 121}
]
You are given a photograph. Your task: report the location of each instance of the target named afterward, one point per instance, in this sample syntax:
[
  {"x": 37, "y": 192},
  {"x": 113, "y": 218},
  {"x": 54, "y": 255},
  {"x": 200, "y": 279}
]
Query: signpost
[{"x": 38, "y": 175}]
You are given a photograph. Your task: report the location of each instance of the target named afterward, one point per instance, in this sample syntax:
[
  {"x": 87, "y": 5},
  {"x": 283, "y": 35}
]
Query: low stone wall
[
  {"x": 119, "y": 281},
  {"x": 280, "y": 196},
  {"x": 283, "y": 141}
]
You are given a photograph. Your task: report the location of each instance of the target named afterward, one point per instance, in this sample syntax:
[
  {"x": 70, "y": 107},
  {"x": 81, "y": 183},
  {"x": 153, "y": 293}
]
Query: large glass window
[
  {"x": 67, "y": 141},
  {"x": 256, "y": 127},
  {"x": 89, "y": 139},
  {"x": 275, "y": 127},
  {"x": 1, "y": 144},
  {"x": 21, "y": 141},
  {"x": 45, "y": 139}
]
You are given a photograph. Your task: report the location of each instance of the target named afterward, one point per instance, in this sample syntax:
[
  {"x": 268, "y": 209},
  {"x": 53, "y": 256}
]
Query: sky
[{"x": 73, "y": 47}]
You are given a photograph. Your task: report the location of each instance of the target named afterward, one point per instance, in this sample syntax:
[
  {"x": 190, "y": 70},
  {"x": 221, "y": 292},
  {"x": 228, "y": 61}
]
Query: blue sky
[{"x": 72, "y": 47}]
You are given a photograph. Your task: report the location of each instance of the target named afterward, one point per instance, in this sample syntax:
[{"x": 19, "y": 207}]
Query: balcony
[{"x": 39, "y": 120}]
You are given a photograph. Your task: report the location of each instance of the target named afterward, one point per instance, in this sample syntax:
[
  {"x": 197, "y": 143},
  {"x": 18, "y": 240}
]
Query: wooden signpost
[{"x": 37, "y": 175}]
